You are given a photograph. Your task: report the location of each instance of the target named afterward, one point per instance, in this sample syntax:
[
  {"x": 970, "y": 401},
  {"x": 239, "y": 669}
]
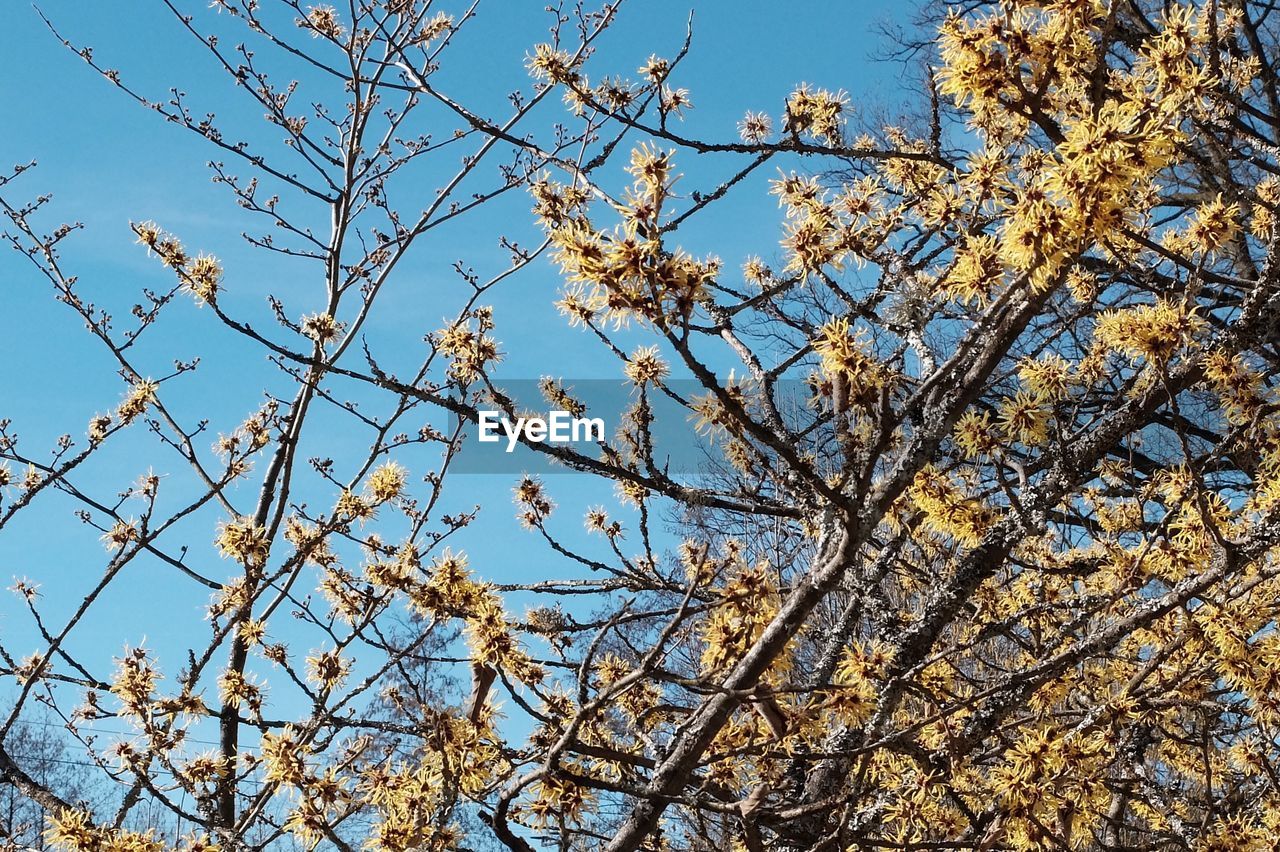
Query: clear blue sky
[{"x": 107, "y": 162}]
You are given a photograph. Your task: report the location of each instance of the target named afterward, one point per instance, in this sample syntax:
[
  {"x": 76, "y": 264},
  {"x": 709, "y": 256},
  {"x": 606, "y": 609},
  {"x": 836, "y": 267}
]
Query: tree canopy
[{"x": 984, "y": 554}]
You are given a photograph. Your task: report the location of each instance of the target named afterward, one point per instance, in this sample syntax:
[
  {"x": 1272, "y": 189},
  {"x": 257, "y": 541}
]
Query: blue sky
[{"x": 107, "y": 161}]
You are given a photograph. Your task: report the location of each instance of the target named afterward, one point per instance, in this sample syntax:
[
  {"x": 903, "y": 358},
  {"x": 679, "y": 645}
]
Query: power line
[
  {"x": 42, "y": 759},
  {"x": 97, "y": 730},
  {"x": 92, "y": 765}
]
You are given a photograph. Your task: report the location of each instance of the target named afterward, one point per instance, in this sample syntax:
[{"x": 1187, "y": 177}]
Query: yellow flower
[
  {"x": 645, "y": 366},
  {"x": 204, "y": 277},
  {"x": 322, "y": 328},
  {"x": 1153, "y": 332},
  {"x": 1213, "y": 225},
  {"x": 976, "y": 436},
  {"x": 328, "y": 669},
  {"x": 844, "y": 353},
  {"x": 121, "y": 533},
  {"x": 141, "y": 394},
  {"x": 323, "y": 21},
  {"x": 818, "y": 113},
  {"x": 386, "y": 482},
  {"x": 1048, "y": 378},
  {"x": 977, "y": 268},
  {"x": 244, "y": 541},
  {"x": 284, "y": 758},
  {"x": 1023, "y": 418}
]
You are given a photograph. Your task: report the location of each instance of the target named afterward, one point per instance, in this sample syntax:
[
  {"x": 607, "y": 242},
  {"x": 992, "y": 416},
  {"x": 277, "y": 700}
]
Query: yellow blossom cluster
[
  {"x": 468, "y": 345},
  {"x": 201, "y": 275},
  {"x": 947, "y": 509},
  {"x": 1151, "y": 332}
]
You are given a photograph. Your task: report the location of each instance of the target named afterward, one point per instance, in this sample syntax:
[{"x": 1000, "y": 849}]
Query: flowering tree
[{"x": 1008, "y": 581}]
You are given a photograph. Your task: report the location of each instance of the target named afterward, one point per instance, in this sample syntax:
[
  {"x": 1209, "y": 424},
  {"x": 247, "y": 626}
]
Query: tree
[
  {"x": 1008, "y": 582},
  {"x": 43, "y": 755}
]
